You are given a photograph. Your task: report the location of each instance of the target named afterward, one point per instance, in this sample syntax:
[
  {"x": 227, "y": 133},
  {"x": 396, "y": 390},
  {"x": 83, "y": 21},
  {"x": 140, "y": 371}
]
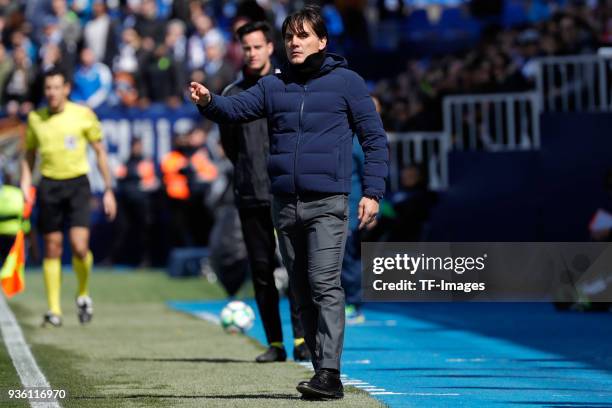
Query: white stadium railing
[
  {"x": 489, "y": 122},
  {"x": 492, "y": 122},
  {"x": 577, "y": 83}
]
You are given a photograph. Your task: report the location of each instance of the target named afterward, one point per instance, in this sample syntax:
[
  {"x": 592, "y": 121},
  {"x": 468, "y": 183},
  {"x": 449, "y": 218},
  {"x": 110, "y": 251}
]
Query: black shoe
[
  {"x": 271, "y": 355},
  {"x": 84, "y": 309},
  {"x": 51, "y": 319},
  {"x": 325, "y": 384},
  {"x": 301, "y": 353}
]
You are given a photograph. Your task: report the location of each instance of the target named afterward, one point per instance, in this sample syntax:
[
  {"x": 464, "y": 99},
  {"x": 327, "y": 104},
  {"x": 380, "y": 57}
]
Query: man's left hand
[
  {"x": 110, "y": 205},
  {"x": 368, "y": 210}
]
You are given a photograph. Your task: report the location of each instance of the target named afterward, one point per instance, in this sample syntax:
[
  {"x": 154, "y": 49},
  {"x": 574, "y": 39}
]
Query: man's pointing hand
[{"x": 200, "y": 95}]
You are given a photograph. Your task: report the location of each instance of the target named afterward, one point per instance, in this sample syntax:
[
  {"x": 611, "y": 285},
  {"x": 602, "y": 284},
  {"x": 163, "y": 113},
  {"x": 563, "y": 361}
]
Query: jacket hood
[{"x": 331, "y": 62}]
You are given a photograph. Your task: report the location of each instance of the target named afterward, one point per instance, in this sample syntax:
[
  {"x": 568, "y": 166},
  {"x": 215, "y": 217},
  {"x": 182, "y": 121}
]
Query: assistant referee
[{"x": 60, "y": 132}]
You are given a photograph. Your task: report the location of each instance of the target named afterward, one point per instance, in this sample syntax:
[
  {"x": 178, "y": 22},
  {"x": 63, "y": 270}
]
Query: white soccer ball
[{"x": 237, "y": 317}]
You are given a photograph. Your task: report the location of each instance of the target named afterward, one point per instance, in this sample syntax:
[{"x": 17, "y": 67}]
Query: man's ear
[{"x": 322, "y": 43}]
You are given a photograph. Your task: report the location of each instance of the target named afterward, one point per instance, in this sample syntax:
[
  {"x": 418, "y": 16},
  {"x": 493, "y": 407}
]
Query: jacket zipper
[{"x": 297, "y": 144}]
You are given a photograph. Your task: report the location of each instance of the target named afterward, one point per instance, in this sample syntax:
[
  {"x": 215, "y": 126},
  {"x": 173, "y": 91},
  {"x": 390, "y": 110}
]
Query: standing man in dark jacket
[
  {"x": 313, "y": 109},
  {"x": 247, "y": 146}
]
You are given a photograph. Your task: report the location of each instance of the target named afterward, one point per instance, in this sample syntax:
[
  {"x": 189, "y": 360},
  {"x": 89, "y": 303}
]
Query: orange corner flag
[{"x": 12, "y": 273}]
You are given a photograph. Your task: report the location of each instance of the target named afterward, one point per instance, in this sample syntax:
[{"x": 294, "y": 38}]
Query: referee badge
[{"x": 70, "y": 142}]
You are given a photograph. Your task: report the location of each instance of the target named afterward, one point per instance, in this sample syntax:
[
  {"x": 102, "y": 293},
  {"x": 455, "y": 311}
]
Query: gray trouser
[{"x": 312, "y": 234}]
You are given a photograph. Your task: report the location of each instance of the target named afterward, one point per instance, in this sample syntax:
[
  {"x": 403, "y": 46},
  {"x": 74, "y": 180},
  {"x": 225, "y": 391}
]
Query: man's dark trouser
[
  {"x": 351, "y": 268},
  {"x": 312, "y": 234},
  {"x": 258, "y": 233}
]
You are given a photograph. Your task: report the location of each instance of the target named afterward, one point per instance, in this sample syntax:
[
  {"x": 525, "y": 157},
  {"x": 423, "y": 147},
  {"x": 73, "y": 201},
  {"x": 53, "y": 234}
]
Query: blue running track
[{"x": 470, "y": 355}]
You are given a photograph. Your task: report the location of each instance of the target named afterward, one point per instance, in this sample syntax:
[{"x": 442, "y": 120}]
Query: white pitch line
[
  {"x": 376, "y": 323},
  {"x": 358, "y": 362},
  {"x": 22, "y": 357},
  {"x": 365, "y": 386},
  {"x": 387, "y": 393},
  {"x": 432, "y": 394},
  {"x": 209, "y": 317}
]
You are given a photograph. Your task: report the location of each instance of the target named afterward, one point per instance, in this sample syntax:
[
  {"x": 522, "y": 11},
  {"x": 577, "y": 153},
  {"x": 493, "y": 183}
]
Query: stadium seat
[
  {"x": 416, "y": 21},
  {"x": 452, "y": 17},
  {"x": 416, "y": 28},
  {"x": 514, "y": 14}
]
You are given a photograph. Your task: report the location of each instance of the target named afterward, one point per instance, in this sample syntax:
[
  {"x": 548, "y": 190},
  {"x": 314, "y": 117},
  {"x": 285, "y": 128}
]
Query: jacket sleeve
[
  {"x": 243, "y": 107},
  {"x": 372, "y": 137}
]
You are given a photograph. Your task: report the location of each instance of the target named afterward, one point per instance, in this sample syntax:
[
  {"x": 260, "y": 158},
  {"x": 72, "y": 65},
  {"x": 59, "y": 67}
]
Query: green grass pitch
[{"x": 139, "y": 353}]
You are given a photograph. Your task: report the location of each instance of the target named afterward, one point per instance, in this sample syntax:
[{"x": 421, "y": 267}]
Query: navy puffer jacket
[{"x": 311, "y": 128}]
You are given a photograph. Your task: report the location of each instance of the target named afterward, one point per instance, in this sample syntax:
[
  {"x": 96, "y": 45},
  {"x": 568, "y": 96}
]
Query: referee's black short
[
  {"x": 63, "y": 202},
  {"x": 6, "y": 243}
]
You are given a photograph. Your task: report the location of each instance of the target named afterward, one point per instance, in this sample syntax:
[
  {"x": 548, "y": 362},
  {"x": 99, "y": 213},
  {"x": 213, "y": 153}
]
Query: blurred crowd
[
  {"x": 129, "y": 53},
  {"x": 502, "y": 61},
  {"x": 136, "y": 53},
  {"x": 171, "y": 204},
  {"x": 133, "y": 53}
]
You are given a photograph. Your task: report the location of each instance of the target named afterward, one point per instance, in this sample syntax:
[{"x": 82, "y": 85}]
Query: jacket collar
[{"x": 331, "y": 62}]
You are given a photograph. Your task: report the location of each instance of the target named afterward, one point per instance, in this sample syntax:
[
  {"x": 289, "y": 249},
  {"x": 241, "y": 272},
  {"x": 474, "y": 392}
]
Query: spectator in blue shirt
[{"x": 92, "y": 81}]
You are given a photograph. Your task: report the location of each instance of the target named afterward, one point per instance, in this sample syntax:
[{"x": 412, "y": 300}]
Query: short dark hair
[
  {"x": 309, "y": 14},
  {"x": 54, "y": 71},
  {"x": 251, "y": 27}
]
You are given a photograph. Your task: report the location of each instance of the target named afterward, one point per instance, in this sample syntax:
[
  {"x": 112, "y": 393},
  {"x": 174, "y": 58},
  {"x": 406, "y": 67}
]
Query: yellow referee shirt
[{"x": 62, "y": 139}]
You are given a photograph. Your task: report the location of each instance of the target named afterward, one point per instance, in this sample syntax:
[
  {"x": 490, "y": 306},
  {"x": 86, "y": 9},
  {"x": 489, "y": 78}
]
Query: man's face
[
  {"x": 59, "y": 7},
  {"x": 149, "y": 9},
  {"x": 129, "y": 36},
  {"x": 257, "y": 50},
  {"x": 137, "y": 148},
  {"x": 87, "y": 57},
  {"x": 214, "y": 51},
  {"x": 19, "y": 56},
  {"x": 99, "y": 8},
  {"x": 410, "y": 177},
  {"x": 202, "y": 24},
  {"x": 56, "y": 91},
  {"x": 174, "y": 33},
  {"x": 197, "y": 137},
  {"x": 302, "y": 44}
]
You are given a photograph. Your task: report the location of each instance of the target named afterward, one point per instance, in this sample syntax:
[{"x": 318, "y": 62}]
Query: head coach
[{"x": 313, "y": 108}]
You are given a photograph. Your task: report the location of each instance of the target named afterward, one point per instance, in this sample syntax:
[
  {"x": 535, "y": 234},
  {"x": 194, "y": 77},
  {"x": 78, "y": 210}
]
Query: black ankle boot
[
  {"x": 271, "y": 355},
  {"x": 325, "y": 384}
]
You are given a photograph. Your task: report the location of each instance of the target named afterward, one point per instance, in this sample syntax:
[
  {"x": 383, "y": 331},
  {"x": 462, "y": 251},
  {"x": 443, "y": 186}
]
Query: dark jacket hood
[{"x": 330, "y": 62}]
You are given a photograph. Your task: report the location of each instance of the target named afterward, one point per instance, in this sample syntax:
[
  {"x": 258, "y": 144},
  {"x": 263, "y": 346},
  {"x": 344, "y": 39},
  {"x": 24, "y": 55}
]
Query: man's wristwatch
[{"x": 371, "y": 197}]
